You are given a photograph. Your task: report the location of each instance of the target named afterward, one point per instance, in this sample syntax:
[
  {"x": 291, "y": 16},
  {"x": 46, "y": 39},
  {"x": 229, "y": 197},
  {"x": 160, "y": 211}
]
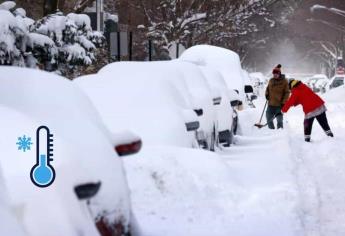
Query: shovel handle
[{"x": 263, "y": 111}]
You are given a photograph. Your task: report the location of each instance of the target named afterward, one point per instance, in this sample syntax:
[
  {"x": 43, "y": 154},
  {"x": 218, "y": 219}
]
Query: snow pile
[
  {"x": 178, "y": 191},
  {"x": 335, "y": 95}
]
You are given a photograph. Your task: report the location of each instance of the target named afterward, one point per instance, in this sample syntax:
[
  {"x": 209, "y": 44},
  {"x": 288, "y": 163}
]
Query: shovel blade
[{"x": 259, "y": 125}]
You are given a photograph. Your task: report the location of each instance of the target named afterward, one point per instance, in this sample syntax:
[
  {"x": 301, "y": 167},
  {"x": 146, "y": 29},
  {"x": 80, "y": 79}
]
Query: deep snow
[{"x": 268, "y": 183}]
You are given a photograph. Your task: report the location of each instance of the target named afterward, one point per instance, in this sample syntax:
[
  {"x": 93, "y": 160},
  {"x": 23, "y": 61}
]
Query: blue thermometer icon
[{"x": 42, "y": 173}]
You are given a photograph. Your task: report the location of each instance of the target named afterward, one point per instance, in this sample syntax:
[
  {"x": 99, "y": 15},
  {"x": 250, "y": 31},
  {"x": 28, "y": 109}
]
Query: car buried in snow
[
  {"x": 135, "y": 97},
  {"x": 336, "y": 81},
  {"x": 226, "y": 113},
  {"x": 90, "y": 195},
  {"x": 223, "y": 60}
]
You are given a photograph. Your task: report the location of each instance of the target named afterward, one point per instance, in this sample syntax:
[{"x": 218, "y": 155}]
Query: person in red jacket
[{"x": 313, "y": 107}]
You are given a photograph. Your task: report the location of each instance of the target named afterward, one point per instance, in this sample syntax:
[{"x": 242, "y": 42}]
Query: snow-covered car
[
  {"x": 10, "y": 224},
  {"x": 226, "y": 114},
  {"x": 134, "y": 97},
  {"x": 250, "y": 94},
  {"x": 90, "y": 190},
  {"x": 202, "y": 98},
  {"x": 258, "y": 79},
  {"x": 223, "y": 60},
  {"x": 318, "y": 82},
  {"x": 186, "y": 79},
  {"x": 336, "y": 81}
]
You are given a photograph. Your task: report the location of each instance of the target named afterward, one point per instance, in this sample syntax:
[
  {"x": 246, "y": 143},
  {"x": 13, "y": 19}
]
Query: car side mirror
[
  {"x": 87, "y": 191},
  {"x": 192, "y": 126},
  {"x": 235, "y": 103},
  {"x": 199, "y": 112},
  {"x": 248, "y": 89}
]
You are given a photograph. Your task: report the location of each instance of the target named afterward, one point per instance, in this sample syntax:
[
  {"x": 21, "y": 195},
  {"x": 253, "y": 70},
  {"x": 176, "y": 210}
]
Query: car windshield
[{"x": 338, "y": 81}]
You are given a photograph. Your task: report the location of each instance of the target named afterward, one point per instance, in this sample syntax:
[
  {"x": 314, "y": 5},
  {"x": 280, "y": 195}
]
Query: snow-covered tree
[
  {"x": 190, "y": 22},
  {"x": 13, "y": 36},
  {"x": 72, "y": 35},
  {"x": 54, "y": 40}
]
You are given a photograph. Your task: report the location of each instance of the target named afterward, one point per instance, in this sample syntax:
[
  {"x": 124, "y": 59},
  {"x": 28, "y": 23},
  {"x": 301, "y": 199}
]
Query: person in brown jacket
[{"x": 277, "y": 93}]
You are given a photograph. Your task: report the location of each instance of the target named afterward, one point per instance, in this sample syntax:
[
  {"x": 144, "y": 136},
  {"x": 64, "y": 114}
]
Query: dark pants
[
  {"x": 308, "y": 125},
  {"x": 270, "y": 113}
]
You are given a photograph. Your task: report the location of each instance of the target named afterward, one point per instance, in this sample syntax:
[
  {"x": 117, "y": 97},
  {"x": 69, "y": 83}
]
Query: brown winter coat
[{"x": 277, "y": 92}]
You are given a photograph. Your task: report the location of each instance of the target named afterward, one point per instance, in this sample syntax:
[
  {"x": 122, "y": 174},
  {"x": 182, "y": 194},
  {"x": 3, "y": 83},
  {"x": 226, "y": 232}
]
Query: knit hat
[
  {"x": 277, "y": 70},
  {"x": 293, "y": 83}
]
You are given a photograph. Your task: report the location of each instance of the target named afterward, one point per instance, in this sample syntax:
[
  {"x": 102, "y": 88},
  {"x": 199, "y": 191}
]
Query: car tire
[{"x": 225, "y": 138}]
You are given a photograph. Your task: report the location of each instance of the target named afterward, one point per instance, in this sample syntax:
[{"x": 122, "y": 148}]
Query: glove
[{"x": 267, "y": 97}]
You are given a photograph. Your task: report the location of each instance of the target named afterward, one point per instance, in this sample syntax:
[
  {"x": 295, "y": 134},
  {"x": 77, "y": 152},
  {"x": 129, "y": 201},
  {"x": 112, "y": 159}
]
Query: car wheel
[
  {"x": 225, "y": 138},
  {"x": 203, "y": 144},
  {"x": 213, "y": 140},
  {"x": 235, "y": 125}
]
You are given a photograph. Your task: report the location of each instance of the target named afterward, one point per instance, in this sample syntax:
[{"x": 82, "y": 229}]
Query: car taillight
[
  {"x": 128, "y": 149},
  {"x": 192, "y": 126}
]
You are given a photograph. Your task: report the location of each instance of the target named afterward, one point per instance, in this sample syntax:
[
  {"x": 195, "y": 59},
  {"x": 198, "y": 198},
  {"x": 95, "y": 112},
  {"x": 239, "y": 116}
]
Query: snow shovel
[
  {"x": 263, "y": 111},
  {"x": 275, "y": 116}
]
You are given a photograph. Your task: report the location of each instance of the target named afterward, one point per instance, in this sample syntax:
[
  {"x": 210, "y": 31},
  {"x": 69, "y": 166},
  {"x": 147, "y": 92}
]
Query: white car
[
  {"x": 202, "y": 98},
  {"x": 318, "y": 83},
  {"x": 185, "y": 78},
  {"x": 226, "y": 114},
  {"x": 90, "y": 190},
  {"x": 9, "y": 222},
  {"x": 336, "y": 81},
  {"x": 134, "y": 97},
  {"x": 223, "y": 60}
]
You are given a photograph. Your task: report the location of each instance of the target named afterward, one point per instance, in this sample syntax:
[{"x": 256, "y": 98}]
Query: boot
[{"x": 307, "y": 140}]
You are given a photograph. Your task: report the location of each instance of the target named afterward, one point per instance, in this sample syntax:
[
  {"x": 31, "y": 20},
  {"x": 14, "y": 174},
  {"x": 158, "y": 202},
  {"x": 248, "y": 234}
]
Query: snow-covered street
[
  {"x": 172, "y": 118},
  {"x": 276, "y": 184}
]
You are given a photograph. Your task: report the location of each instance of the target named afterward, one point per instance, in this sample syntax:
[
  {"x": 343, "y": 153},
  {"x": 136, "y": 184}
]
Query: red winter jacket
[{"x": 302, "y": 94}]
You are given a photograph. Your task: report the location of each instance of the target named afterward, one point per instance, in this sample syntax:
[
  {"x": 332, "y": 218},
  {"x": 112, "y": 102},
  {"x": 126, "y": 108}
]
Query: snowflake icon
[{"x": 24, "y": 143}]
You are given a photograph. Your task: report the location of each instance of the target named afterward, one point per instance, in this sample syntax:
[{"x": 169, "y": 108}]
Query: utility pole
[{"x": 99, "y": 13}]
